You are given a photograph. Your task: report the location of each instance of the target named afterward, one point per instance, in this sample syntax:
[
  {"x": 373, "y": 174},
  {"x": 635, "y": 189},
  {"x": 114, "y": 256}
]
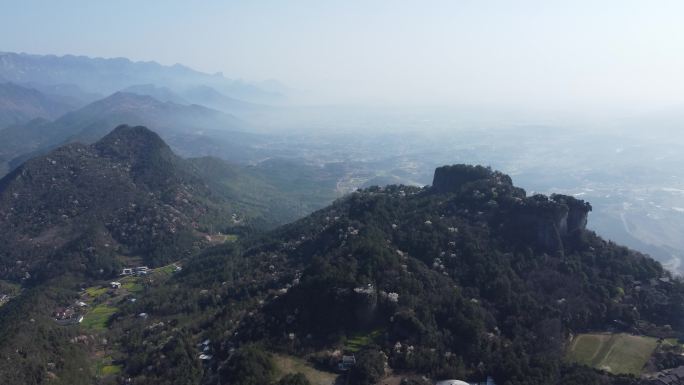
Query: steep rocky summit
[{"x": 551, "y": 223}]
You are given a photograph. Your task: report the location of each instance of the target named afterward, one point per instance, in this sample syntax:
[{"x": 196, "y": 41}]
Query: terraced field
[
  {"x": 615, "y": 353},
  {"x": 98, "y": 317}
]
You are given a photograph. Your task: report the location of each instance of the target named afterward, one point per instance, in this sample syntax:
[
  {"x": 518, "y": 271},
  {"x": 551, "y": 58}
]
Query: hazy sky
[{"x": 546, "y": 53}]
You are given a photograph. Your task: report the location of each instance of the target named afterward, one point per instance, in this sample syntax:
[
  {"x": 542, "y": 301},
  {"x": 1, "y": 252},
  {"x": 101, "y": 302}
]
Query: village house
[
  {"x": 63, "y": 313},
  {"x": 140, "y": 270},
  {"x": 115, "y": 285},
  {"x": 346, "y": 363}
]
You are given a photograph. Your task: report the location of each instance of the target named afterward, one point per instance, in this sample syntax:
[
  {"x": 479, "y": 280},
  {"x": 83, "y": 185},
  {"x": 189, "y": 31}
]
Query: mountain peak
[
  {"x": 452, "y": 178},
  {"x": 132, "y": 142}
]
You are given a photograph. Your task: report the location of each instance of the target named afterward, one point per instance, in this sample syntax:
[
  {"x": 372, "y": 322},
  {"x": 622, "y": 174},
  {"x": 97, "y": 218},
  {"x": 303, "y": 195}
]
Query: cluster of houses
[
  {"x": 140, "y": 270},
  {"x": 206, "y": 350},
  {"x": 70, "y": 314},
  {"x": 128, "y": 271}
]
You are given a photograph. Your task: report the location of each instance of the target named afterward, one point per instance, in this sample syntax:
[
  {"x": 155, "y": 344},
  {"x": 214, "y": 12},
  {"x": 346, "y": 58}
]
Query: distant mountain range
[
  {"x": 202, "y": 95},
  {"x": 106, "y": 76},
  {"x": 163, "y": 94},
  {"x": 47, "y": 101},
  {"x": 19, "y": 105},
  {"x": 192, "y": 130}
]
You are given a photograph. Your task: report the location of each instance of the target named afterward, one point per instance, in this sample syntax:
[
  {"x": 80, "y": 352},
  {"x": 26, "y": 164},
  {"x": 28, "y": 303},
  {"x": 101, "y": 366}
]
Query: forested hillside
[
  {"x": 466, "y": 279},
  {"x": 86, "y": 209}
]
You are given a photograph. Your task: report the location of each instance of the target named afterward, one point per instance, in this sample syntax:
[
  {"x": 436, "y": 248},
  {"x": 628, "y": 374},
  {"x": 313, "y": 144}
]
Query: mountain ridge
[
  {"x": 192, "y": 129},
  {"x": 20, "y": 104},
  {"x": 108, "y": 75},
  {"x": 131, "y": 179},
  {"x": 444, "y": 283}
]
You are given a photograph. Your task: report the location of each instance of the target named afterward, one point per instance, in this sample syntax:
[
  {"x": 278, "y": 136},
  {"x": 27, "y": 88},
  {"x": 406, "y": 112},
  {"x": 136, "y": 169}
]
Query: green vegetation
[
  {"x": 616, "y": 353},
  {"x": 249, "y": 366},
  {"x": 132, "y": 286},
  {"x": 472, "y": 280},
  {"x": 25, "y": 327},
  {"x": 156, "y": 227},
  {"x": 289, "y": 365},
  {"x": 294, "y": 379},
  {"x": 105, "y": 367},
  {"x": 454, "y": 284},
  {"x": 98, "y": 317},
  {"x": 165, "y": 270},
  {"x": 361, "y": 340},
  {"x": 9, "y": 288},
  {"x": 96, "y": 291},
  {"x": 369, "y": 368},
  {"x": 109, "y": 370}
]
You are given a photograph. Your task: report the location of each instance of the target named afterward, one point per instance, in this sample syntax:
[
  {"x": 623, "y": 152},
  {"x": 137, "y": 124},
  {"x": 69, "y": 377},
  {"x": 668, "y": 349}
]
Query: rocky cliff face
[
  {"x": 551, "y": 223},
  {"x": 554, "y": 223},
  {"x": 576, "y": 218}
]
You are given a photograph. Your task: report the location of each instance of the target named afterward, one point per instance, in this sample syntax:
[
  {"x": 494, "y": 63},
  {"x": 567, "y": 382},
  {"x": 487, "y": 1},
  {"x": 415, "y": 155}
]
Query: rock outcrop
[
  {"x": 452, "y": 178},
  {"x": 551, "y": 223}
]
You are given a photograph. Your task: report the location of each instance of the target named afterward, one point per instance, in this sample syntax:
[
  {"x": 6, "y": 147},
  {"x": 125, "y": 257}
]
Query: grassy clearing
[
  {"x": 165, "y": 271},
  {"x": 96, "y": 291},
  {"x": 288, "y": 364},
  {"x": 9, "y": 288},
  {"x": 132, "y": 286},
  {"x": 615, "y": 353},
  {"x": 361, "y": 340},
  {"x": 105, "y": 367},
  {"x": 97, "y": 317},
  {"x": 109, "y": 370}
]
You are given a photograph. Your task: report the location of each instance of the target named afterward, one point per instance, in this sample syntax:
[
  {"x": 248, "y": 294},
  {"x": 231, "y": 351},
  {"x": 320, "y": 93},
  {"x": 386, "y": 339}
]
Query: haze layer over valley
[
  {"x": 633, "y": 180},
  {"x": 442, "y": 192}
]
